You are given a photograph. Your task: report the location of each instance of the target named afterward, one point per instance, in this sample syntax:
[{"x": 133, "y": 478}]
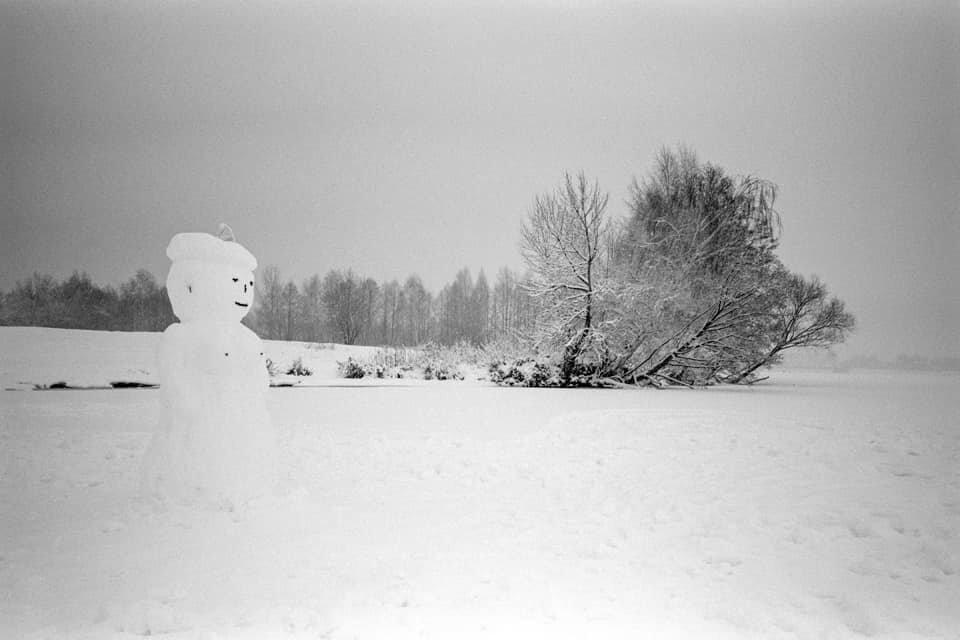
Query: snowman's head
[{"x": 210, "y": 279}]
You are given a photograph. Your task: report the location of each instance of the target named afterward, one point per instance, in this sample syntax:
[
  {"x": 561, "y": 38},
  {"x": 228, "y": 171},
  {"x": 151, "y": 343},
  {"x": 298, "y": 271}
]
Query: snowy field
[{"x": 817, "y": 505}]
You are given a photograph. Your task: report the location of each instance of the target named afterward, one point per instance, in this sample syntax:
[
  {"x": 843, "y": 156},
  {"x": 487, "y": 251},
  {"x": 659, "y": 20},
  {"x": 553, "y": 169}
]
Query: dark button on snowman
[{"x": 215, "y": 444}]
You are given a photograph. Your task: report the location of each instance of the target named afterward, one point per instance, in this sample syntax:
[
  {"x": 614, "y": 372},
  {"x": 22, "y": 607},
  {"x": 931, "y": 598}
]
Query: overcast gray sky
[{"x": 398, "y": 138}]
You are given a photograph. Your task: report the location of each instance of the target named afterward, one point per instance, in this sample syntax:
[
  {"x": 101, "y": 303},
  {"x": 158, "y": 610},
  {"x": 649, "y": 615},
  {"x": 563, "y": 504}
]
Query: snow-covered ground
[{"x": 817, "y": 505}]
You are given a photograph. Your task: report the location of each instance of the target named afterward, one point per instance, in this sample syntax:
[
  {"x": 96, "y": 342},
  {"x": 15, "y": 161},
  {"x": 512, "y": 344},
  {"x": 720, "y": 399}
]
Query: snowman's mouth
[{"x": 241, "y": 304}]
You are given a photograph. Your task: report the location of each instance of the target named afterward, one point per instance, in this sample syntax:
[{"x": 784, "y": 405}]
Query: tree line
[
  {"x": 139, "y": 304},
  {"x": 348, "y": 308},
  {"x": 340, "y": 307}
]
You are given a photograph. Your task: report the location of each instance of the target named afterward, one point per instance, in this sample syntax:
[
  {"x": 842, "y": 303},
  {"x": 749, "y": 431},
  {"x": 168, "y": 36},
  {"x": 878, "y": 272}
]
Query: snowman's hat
[{"x": 209, "y": 248}]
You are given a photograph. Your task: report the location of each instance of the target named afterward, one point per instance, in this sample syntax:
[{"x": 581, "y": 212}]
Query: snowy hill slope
[{"x": 40, "y": 356}]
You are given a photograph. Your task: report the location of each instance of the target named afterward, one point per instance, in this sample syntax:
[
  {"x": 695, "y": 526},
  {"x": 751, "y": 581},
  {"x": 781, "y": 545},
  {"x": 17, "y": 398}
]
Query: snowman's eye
[
  {"x": 236, "y": 279},
  {"x": 251, "y": 283}
]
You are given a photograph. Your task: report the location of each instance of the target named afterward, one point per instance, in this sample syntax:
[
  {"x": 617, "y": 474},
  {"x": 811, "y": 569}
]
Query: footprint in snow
[
  {"x": 145, "y": 618},
  {"x": 860, "y": 529},
  {"x": 724, "y": 564}
]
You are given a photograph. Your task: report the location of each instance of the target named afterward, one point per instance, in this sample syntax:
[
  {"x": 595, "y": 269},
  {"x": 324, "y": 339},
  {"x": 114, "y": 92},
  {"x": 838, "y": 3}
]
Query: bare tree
[
  {"x": 504, "y": 312},
  {"x": 311, "y": 309},
  {"x": 803, "y": 316},
  {"x": 290, "y": 300},
  {"x": 417, "y": 316},
  {"x": 392, "y": 308},
  {"x": 454, "y": 308},
  {"x": 479, "y": 316},
  {"x": 564, "y": 243},
  {"x": 696, "y": 258},
  {"x": 369, "y": 300},
  {"x": 269, "y": 314},
  {"x": 351, "y": 303},
  {"x": 143, "y": 304}
]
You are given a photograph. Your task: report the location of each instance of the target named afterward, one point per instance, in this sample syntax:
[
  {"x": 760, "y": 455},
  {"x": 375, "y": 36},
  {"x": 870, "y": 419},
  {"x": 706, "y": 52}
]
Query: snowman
[{"x": 215, "y": 444}]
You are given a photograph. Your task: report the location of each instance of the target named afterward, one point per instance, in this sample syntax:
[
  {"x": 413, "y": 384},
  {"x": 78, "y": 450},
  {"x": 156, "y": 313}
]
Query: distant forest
[{"x": 341, "y": 306}]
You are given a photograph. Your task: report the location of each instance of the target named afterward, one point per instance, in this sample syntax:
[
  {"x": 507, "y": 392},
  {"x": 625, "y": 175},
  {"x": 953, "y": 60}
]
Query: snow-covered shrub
[
  {"x": 511, "y": 374},
  {"x": 351, "y": 369},
  {"x": 299, "y": 369},
  {"x": 439, "y": 370},
  {"x": 542, "y": 376},
  {"x": 504, "y": 348},
  {"x": 443, "y": 363},
  {"x": 393, "y": 362},
  {"x": 431, "y": 361},
  {"x": 461, "y": 353},
  {"x": 516, "y": 374},
  {"x": 527, "y": 372}
]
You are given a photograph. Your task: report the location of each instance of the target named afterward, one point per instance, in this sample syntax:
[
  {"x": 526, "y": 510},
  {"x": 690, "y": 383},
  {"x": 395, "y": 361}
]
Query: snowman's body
[{"x": 215, "y": 443}]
